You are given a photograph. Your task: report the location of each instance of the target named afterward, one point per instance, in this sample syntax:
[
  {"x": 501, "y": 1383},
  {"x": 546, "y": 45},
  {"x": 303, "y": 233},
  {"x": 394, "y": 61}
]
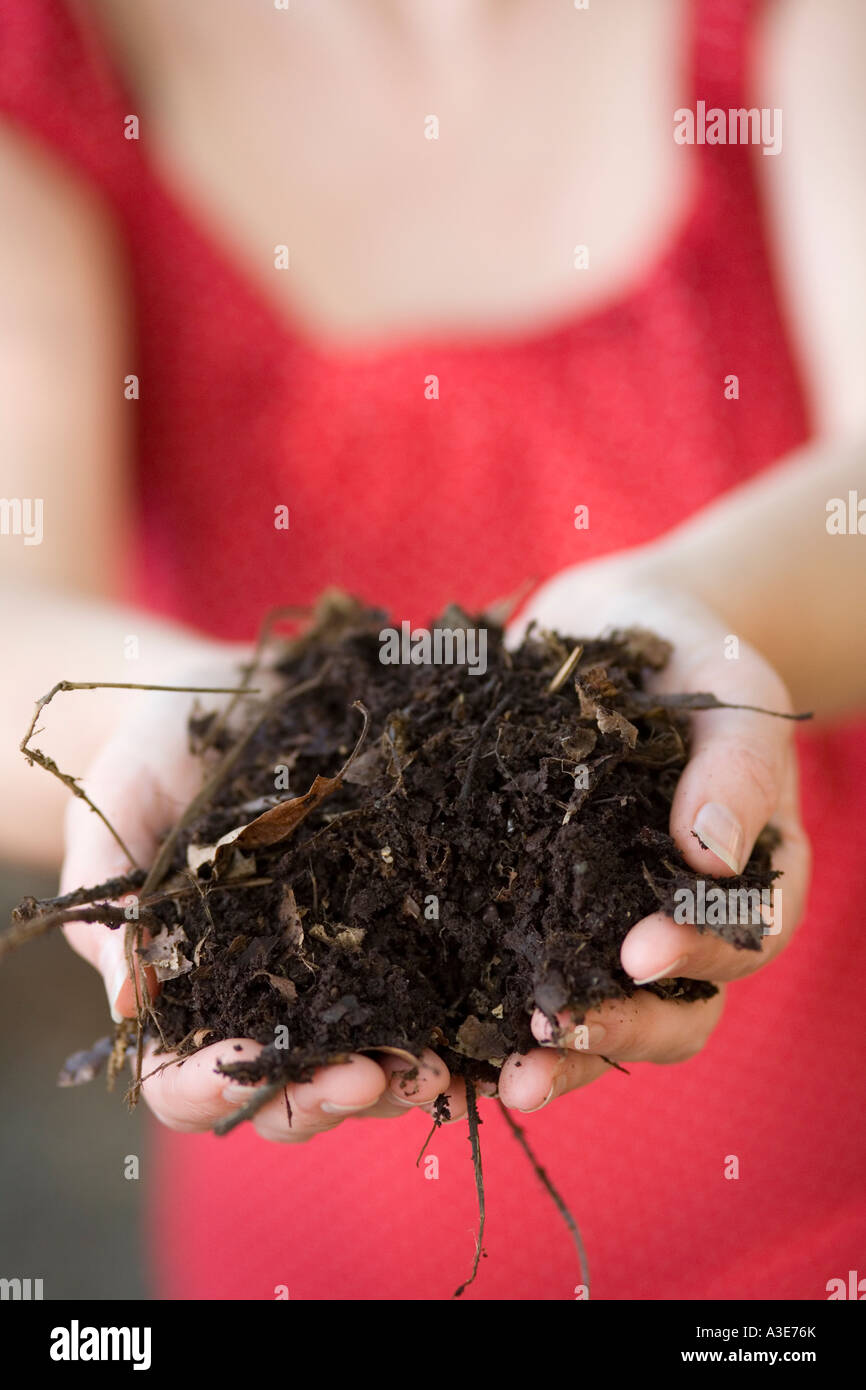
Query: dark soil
[{"x": 454, "y": 880}]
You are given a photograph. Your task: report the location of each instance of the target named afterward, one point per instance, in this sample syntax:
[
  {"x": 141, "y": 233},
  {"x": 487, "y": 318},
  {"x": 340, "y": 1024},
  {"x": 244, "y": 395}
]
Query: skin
[
  {"x": 61, "y": 279},
  {"x": 742, "y": 760}
]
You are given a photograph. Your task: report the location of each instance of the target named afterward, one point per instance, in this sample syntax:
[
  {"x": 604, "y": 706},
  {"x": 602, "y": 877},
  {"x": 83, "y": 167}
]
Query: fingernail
[
  {"x": 401, "y": 1100},
  {"x": 718, "y": 829},
  {"x": 116, "y": 980},
  {"x": 330, "y": 1107},
  {"x": 535, "y": 1108},
  {"x": 589, "y": 1036},
  {"x": 236, "y": 1091},
  {"x": 662, "y": 974}
]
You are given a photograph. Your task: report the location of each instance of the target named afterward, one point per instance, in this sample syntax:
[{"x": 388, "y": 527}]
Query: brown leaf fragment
[
  {"x": 350, "y": 938},
  {"x": 276, "y": 825},
  {"x": 611, "y": 722},
  {"x": 346, "y": 938},
  {"x": 597, "y": 683},
  {"x": 289, "y": 918},
  {"x": 481, "y": 1039},
  {"x": 579, "y": 744},
  {"x": 283, "y": 986},
  {"x": 165, "y": 955}
]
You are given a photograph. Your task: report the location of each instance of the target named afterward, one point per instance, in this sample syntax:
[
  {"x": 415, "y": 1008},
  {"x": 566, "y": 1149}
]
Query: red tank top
[{"x": 411, "y": 502}]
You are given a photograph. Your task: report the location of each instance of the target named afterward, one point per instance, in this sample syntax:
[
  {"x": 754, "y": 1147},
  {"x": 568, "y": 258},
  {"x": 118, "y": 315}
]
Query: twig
[
  {"x": 29, "y": 908},
  {"x": 25, "y": 929},
  {"x": 260, "y": 1097},
  {"x": 19, "y": 932},
  {"x": 541, "y": 1174},
  {"x": 33, "y": 755},
  {"x": 565, "y": 669}
]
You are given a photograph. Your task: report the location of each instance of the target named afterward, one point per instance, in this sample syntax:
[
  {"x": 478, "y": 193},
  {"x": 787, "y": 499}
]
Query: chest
[{"x": 493, "y": 177}]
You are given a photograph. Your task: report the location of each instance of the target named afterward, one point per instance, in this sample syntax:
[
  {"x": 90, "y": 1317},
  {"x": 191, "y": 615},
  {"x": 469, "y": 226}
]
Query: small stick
[
  {"x": 565, "y": 669},
  {"x": 111, "y": 888},
  {"x": 261, "y": 1095},
  {"x": 19, "y": 932},
  {"x": 541, "y": 1174},
  {"x": 474, "y": 1122},
  {"x": 25, "y": 929}
]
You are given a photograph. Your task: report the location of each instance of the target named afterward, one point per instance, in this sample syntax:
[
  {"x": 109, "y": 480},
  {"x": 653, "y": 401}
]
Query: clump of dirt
[{"x": 417, "y": 855}]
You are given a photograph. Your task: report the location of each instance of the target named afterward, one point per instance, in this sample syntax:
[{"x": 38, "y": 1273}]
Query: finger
[
  {"x": 643, "y": 1028},
  {"x": 455, "y": 1096},
  {"x": 409, "y": 1087},
  {"x": 530, "y": 1081},
  {"x": 733, "y": 780},
  {"x": 415, "y": 1085},
  {"x": 659, "y": 948},
  {"x": 190, "y": 1095},
  {"x": 133, "y": 800},
  {"x": 333, "y": 1094}
]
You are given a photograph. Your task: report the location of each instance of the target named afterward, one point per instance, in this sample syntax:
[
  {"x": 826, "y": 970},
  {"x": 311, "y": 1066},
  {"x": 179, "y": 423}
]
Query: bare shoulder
[{"x": 810, "y": 63}]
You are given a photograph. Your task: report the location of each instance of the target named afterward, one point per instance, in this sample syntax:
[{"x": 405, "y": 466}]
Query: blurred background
[{"x": 69, "y": 1217}]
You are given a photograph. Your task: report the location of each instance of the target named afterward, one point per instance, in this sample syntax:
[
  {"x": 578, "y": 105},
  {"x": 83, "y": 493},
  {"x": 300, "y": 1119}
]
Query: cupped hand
[
  {"x": 741, "y": 774},
  {"x": 142, "y": 780}
]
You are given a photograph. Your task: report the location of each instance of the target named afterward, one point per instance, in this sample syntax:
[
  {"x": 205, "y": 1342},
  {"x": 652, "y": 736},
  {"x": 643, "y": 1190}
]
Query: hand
[
  {"x": 741, "y": 774},
  {"x": 142, "y": 780}
]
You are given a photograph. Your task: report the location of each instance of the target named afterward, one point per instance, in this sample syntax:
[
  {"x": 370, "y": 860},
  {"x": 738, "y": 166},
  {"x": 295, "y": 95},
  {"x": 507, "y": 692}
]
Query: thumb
[
  {"x": 129, "y": 795},
  {"x": 733, "y": 781}
]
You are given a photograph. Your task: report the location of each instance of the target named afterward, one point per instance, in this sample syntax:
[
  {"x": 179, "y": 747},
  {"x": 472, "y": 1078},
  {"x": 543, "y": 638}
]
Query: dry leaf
[
  {"x": 347, "y": 938},
  {"x": 289, "y": 918},
  {"x": 283, "y": 986},
  {"x": 274, "y": 826},
  {"x": 610, "y": 722},
  {"x": 481, "y": 1040},
  {"x": 165, "y": 955}
]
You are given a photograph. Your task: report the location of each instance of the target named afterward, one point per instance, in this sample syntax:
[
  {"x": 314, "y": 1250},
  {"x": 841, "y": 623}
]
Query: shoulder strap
[
  {"x": 57, "y": 84},
  {"x": 721, "y": 49}
]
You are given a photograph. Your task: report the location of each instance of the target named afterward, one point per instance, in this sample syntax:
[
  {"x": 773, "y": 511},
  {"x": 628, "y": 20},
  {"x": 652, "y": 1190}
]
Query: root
[
  {"x": 474, "y": 1122},
  {"x": 558, "y": 1202}
]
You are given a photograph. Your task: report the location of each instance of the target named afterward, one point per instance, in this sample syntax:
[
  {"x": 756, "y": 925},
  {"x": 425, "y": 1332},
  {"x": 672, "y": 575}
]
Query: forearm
[
  {"x": 47, "y": 637},
  {"x": 763, "y": 558}
]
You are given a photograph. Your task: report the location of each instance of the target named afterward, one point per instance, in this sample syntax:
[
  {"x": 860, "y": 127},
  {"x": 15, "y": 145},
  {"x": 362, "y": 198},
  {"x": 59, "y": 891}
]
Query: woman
[{"x": 440, "y": 281}]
